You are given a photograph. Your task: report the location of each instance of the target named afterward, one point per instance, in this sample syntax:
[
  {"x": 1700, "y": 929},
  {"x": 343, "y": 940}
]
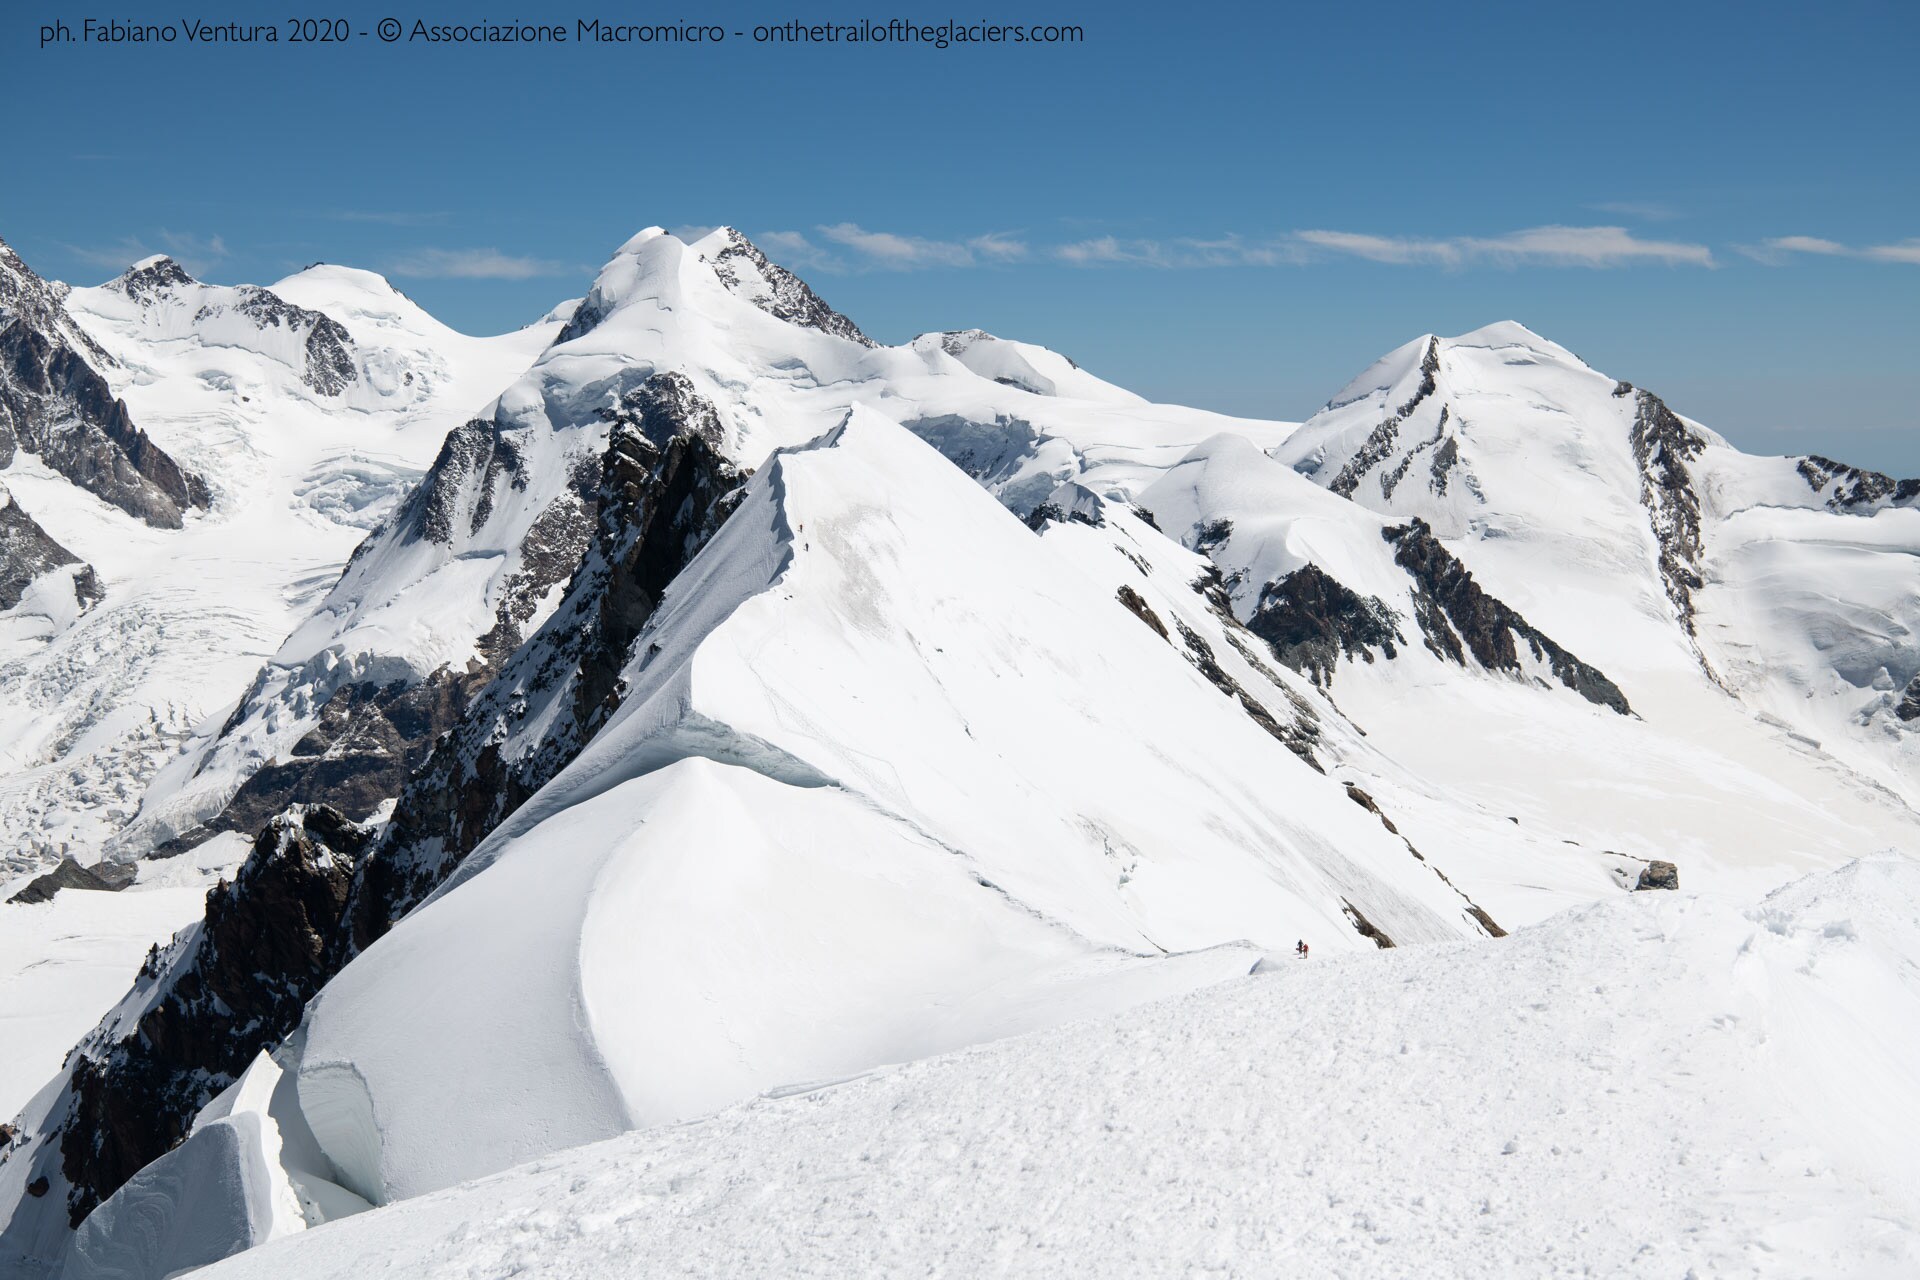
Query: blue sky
[{"x": 1232, "y": 206}]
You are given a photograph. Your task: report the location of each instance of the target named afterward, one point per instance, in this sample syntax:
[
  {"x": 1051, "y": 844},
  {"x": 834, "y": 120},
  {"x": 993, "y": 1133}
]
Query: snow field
[{"x": 1632, "y": 1088}]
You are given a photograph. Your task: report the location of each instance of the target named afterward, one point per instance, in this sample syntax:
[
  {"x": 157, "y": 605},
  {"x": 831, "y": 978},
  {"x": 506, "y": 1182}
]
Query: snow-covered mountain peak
[
  {"x": 739, "y": 265},
  {"x": 1509, "y": 336},
  {"x": 641, "y": 237},
  {"x": 374, "y": 312},
  {"x": 159, "y": 297},
  {"x": 641, "y": 271},
  {"x": 151, "y": 275}
]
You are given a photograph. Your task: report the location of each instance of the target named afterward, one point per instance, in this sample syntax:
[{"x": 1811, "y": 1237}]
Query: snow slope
[{"x": 1658, "y": 1085}]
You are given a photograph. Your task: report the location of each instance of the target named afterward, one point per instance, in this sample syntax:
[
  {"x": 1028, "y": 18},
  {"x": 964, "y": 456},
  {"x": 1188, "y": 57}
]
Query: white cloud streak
[
  {"x": 1780, "y": 250},
  {"x": 889, "y": 251},
  {"x": 848, "y": 246},
  {"x": 1536, "y": 246},
  {"x": 475, "y": 264},
  {"x": 197, "y": 254}
]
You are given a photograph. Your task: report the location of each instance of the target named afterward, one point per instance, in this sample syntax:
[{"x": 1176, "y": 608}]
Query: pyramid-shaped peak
[
  {"x": 735, "y": 261},
  {"x": 748, "y": 273},
  {"x": 150, "y": 275}
]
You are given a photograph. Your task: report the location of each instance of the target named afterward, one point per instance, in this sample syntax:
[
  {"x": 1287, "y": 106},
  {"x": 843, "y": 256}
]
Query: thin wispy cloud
[
  {"x": 1782, "y": 249},
  {"x": 794, "y": 249},
  {"x": 1584, "y": 247},
  {"x": 1536, "y": 246},
  {"x": 1185, "y": 251},
  {"x": 1907, "y": 251},
  {"x": 390, "y": 217},
  {"x": 848, "y": 246},
  {"x": 198, "y": 254},
  {"x": 1642, "y": 210},
  {"x": 905, "y": 253},
  {"x": 1394, "y": 250},
  {"x": 475, "y": 264},
  {"x": 1112, "y": 251}
]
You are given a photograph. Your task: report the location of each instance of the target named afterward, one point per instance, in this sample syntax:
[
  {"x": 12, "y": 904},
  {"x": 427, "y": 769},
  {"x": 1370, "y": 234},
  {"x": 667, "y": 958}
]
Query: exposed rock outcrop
[
  {"x": 202, "y": 1008},
  {"x": 28, "y": 552},
  {"x": 1365, "y": 927},
  {"x": 1297, "y": 735},
  {"x": 1908, "y": 708},
  {"x": 1658, "y": 875},
  {"x": 369, "y": 740},
  {"x": 1311, "y": 621},
  {"x": 1662, "y": 447},
  {"x": 1137, "y": 605},
  {"x": 1378, "y": 446},
  {"x": 1458, "y": 618}
]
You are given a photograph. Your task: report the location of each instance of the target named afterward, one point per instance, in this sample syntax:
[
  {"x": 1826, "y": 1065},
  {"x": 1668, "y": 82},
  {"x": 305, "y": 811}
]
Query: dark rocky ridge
[
  {"x": 55, "y": 404},
  {"x": 792, "y": 300},
  {"x": 1378, "y": 446},
  {"x": 1391, "y": 480},
  {"x": 27, "y": 552},
  {"x": 199, "y": 1011},
  {"x": 330, "y": 367},
  {"x": 1458, "y": 617},
  {"x": 664, "y": 491},
  {"x": 1662, "y": 447},
  {"x": 108, "y": 877},
  {"x": 317, "y": 888},
  {"x": 1850, "y": 488}
]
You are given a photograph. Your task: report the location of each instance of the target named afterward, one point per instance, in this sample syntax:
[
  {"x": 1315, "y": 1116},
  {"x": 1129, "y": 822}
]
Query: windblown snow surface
[{"x": 1659, "y": 1085}]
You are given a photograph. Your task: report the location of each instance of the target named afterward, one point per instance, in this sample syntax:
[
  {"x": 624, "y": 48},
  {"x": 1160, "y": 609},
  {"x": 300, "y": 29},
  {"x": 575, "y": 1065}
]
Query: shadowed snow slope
[{"x": 1659, "y": 1086}]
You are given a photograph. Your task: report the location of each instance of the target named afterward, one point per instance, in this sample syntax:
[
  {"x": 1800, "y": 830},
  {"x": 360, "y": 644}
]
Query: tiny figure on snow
[{"x": 1301, "y": 949}]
